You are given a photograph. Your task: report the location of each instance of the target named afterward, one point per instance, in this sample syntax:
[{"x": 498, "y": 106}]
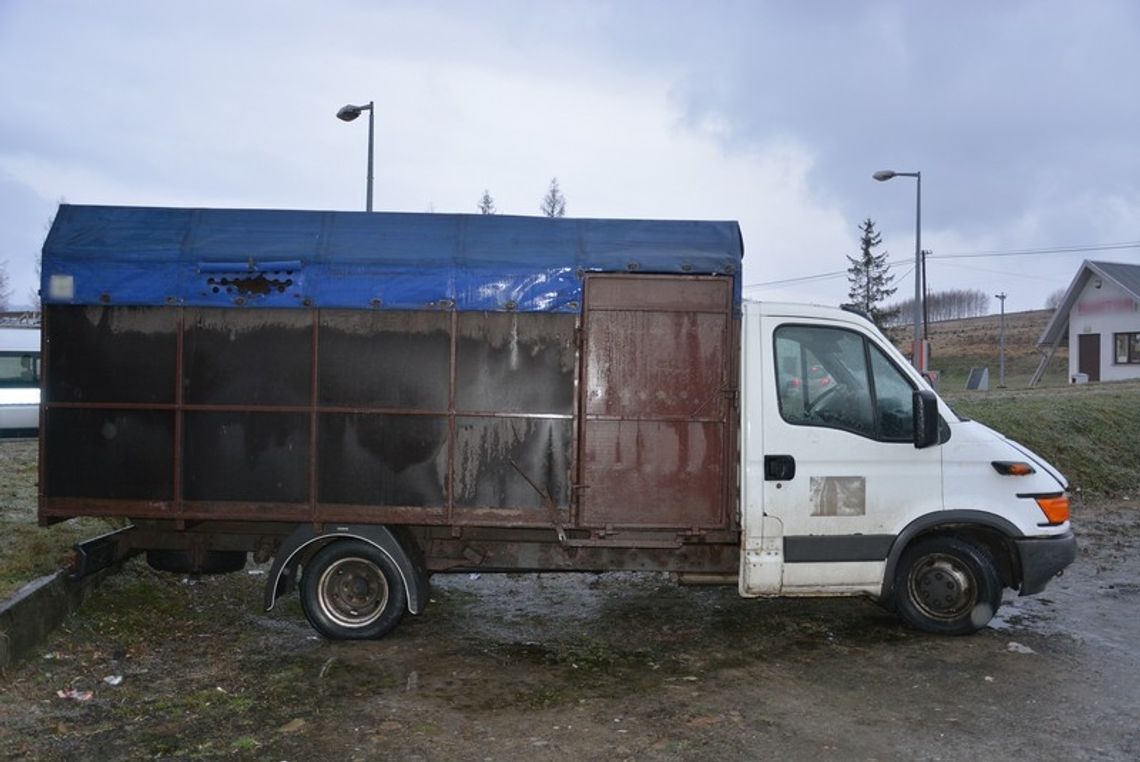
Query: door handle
[{"x": 779, "y": 468}]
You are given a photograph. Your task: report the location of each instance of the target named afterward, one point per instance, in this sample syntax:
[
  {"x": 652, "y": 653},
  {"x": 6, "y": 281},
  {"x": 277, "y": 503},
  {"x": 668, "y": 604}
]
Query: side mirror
[{"x": 925, "y": 419}]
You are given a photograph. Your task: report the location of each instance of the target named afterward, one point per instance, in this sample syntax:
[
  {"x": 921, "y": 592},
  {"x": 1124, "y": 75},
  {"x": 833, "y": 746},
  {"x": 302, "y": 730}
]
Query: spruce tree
[
  {"x": 486, "y": 203},
  {"x": 870, "y": 277}
]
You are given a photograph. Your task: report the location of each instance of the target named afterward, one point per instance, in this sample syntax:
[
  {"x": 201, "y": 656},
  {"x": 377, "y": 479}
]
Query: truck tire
[
  {"x": 947, "y": 585},
  {"x": 352, "y": 590}
]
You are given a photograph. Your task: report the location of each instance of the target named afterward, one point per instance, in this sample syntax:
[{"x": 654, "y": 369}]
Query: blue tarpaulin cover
[{"x": 277, "y": 258}]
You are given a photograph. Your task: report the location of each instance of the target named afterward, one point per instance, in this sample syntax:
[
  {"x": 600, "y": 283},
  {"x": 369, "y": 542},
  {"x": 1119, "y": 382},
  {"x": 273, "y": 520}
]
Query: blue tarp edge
[{"x": 384, "y": 260}]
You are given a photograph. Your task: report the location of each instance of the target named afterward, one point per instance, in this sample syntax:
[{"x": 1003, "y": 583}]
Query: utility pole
[
  {"x": 925, "y": 297},
  {"x": 1001, "y": 333}
]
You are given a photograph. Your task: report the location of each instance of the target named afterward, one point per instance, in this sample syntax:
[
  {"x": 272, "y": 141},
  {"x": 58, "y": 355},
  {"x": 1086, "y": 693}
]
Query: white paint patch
[{"x": 838, "y": 495}]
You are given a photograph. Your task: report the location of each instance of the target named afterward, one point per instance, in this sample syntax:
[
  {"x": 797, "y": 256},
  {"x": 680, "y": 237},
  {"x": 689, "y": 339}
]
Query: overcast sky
[{"x": 1023, "y": 118}]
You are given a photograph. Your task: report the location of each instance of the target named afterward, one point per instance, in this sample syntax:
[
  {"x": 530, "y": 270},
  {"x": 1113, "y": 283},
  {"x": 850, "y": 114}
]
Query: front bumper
[{"x": 1042, "y": 558}]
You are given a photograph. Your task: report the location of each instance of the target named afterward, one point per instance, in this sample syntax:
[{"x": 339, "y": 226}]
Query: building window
[{"x": 1127, "y": 348}]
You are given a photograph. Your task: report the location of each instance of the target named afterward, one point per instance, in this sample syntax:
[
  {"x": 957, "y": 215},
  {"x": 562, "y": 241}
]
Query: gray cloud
[
  {"x": 1020, "y": 115},
  {"x": 1007, "y": 108}
]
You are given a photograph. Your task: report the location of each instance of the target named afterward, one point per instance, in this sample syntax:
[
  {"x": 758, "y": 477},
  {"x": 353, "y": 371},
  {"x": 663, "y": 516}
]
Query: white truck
[
  {"x": 369, "y": 399},
  {"x": 19, "y": 380}
]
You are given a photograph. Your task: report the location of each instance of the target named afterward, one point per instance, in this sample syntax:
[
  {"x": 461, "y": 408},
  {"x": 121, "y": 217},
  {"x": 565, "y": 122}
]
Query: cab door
[{"x": 837, "y": 473}]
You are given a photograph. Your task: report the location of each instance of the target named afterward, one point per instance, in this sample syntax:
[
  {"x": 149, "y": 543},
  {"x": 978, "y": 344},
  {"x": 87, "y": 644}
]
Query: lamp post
[
  {"x": 1001, "y": 377},
  {"x": 918, "y": 356},
  {"x": 347, "y": 114}
]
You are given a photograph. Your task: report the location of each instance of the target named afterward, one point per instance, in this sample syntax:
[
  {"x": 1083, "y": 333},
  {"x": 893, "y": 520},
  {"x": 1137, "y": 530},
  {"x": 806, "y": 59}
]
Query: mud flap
[
  {"x": 282, "y": 575},
  {"x": 101, "y": 552}
]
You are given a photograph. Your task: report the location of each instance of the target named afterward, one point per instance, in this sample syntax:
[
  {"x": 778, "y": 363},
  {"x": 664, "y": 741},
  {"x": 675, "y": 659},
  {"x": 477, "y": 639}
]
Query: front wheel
[
  {"x": 948, "y": 586},
  {"x": 352, "y": 590}
]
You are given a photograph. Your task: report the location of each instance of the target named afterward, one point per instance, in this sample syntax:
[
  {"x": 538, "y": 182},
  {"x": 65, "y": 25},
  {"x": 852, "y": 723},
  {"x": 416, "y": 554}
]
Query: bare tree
[
  {"x": 34, "y": 296},
  {"x": 953, "y": 304},
  {"x": 1053, "y": 301},
  {"x": 5, "y": 286},
  {"x": 34, "y": 291},
  {"x": 553, "y": 203},
  {"x": 486, "y": 203}
]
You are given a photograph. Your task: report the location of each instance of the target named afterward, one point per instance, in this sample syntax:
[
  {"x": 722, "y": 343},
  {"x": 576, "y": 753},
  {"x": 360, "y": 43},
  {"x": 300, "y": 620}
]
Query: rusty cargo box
[{"x": 404, "y": 369}]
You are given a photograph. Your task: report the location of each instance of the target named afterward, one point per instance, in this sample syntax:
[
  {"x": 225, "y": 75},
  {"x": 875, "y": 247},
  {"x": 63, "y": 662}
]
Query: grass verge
[
  {"x": 1090, "y": 431},
  {"x": 29, "y": 551}
]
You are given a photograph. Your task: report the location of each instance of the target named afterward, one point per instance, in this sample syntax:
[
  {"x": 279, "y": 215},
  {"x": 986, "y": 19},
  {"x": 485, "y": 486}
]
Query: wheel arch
[
  {"x": 991, "y": 532},
  {"x": 283, "y": 573}
]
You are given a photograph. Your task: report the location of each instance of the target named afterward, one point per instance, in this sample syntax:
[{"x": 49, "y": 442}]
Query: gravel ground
[{"x": 571, "y": 667}]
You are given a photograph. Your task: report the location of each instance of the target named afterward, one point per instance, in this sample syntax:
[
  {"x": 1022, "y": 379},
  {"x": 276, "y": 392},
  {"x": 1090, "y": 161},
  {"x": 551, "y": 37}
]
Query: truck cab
[{"x": 870, "y": 484}]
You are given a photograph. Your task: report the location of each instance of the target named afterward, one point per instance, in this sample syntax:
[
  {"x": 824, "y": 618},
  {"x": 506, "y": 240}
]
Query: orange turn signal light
[
  {"x": 1055, "y": 508},
  {"x": 1013, "y": 468}
]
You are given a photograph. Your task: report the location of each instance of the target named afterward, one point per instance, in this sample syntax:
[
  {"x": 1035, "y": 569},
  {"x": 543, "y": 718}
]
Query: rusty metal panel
[
  {"x": 516, "y": 363},
  {"x": 382, "y": 460},
  {"x": 247, "y": 357},
  {"x": 649, "y": 292},
  {"x": 385, "y": 359},
  {"x": 657, "y": 382},
  {"x": 239, "y": 455},
  {"x": 488, "y": 451},
  {"x": 110, "y": 354},
  {"x": 119, "y": 454},
  {"x": 658, "y": 473},
  {"x": 652, "y": 364}
]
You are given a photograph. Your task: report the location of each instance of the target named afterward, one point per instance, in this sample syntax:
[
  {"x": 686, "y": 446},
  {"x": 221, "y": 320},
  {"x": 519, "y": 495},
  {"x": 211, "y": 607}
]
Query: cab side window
[
  {"x": 893, "y": 399},
  {"x": 835, "y": 378}
]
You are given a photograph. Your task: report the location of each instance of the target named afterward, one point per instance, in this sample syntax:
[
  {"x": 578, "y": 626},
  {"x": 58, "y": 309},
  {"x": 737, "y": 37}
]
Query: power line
[
  {"x": 976, "y": 269},
  {"x": 1077, "y": 249},
  {"x": 820, "y": 276},
  {"x": 801, "y": 279}
]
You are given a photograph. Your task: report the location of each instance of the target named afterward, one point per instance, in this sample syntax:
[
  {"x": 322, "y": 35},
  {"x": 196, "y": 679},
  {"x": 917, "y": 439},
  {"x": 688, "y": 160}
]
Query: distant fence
[{"x": 20, "y": 319}]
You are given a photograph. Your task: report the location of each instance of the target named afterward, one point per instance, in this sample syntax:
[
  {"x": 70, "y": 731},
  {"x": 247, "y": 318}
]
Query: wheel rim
[
  {"x": 353, "y": 592},
  {"x": 942, "y": 587}
]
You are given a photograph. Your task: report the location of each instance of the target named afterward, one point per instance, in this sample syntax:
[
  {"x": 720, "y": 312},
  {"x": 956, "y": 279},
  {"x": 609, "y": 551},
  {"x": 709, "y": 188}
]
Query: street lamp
[
  {"x": 347, "y": 114},
  {"x": 918, "y": 356}
]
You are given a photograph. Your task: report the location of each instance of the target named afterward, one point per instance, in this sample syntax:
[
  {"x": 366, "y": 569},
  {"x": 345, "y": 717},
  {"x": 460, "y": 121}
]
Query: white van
[{"x": 19, "y": 381}]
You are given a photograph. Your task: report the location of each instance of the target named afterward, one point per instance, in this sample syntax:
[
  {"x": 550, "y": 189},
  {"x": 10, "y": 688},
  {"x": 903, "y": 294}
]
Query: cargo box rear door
[{"x": 657, "y": 382}]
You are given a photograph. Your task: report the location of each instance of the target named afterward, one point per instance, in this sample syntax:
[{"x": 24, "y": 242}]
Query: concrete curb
[{"x": 37, "y": 608}]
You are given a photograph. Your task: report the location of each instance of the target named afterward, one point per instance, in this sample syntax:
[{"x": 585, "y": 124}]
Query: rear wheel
[
  {"x": 947, "y": 585},
  {"x": 352, "y": 590}
]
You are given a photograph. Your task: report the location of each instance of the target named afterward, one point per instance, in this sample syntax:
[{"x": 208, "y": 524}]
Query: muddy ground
[{"x": 622, "y": 666}]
